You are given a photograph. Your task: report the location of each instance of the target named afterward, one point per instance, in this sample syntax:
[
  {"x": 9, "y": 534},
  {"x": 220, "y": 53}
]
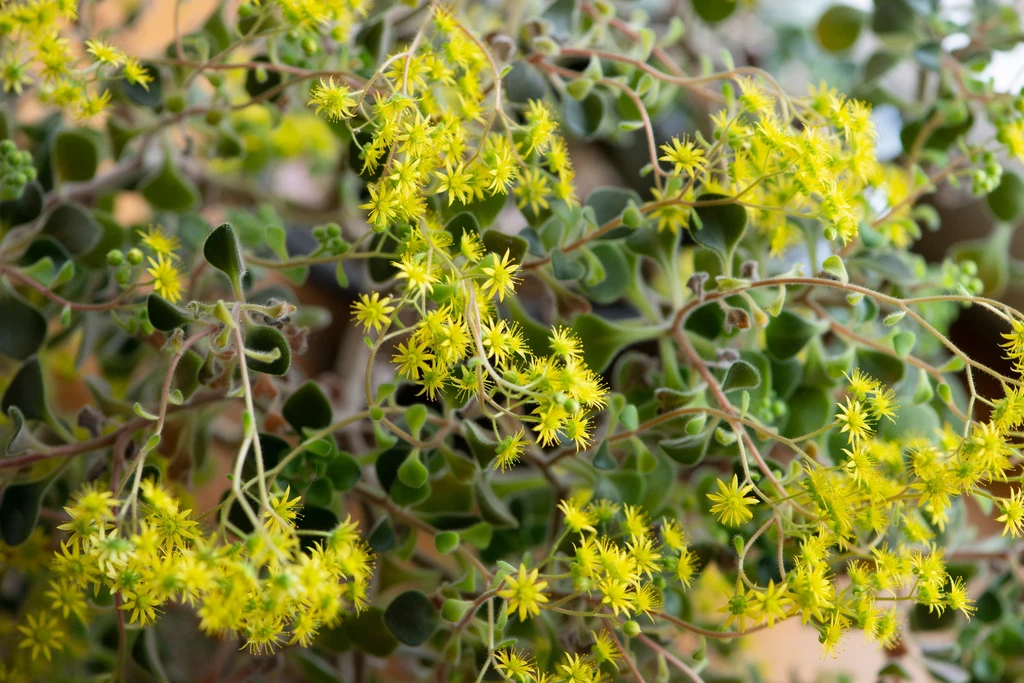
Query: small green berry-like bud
[
  {"x": 333, "y": 230},
  {"x": 115, "y": 257},
  {"x": 310, "y": 47},
  {"x": 245, "y": 10},
  {"x": 175, "y": 103},
  {"x": 571, "y": 406},
  {"x": 135, "y": 256},
  {"x": 631, "y": 628},
  {"x": 123, "y": 274},
  {"x": 214, "y": 117},
  {"x": 215, "y": 79},
  {"x": 376, "y": 413}
]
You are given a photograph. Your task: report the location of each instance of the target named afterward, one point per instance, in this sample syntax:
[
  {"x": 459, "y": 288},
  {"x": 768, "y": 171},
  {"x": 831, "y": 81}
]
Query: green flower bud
[
  {"x": 175, "y": 103},
  {"x": 115, "y": 257},
  {"x": 631, "y": 628},
  {"x": 135, "y": 256}
]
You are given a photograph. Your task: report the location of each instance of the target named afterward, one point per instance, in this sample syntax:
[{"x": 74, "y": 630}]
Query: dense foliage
[{"x": 599, "y": 435}]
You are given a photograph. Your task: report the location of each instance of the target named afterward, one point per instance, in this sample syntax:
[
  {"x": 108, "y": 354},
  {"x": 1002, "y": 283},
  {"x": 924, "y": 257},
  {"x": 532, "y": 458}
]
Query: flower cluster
[
  {"x": 34, "y": 51},
  {"x": 270, "y": 588},
  {"x": 780, "y": 171}
]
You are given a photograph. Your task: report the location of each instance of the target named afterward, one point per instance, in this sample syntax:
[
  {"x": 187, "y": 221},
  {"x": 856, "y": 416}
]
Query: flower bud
[
  {"x": 135, "y": 256},
  {"x": 631, "y": 628}
]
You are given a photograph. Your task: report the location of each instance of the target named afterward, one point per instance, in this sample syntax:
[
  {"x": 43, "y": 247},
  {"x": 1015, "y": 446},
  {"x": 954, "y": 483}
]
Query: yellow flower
[
  {"x": 616, "y": 594},
  {"x": 1013, "y": 513},
  {"x": 730, "y": 503},
  {"x": 42, "y": 634},
  {"x": 412, "y": 359},
  {"x": 854, "y": 420},
  {"x": 372, "y": 311},
  {"x": 577, "y": 519},
  {"x": 160, "y": 242},
  {"x": 513, "y": 665},
  {"x": 104, "y": 53},
  {"x": 604, "y": 649},
  {"x": 500, "y": 276},
  {"x": 336, "y": 102},
  {"x": 741, "y": 606},
  {"x": 772, "y": 602},
  {"x": 957, "y": 597},
  {"x": 136, "y": 74},
  {"x": 509, "y": 450},
  {"x": 524, "y": 593},
  {"x": 166, "y": 278},
  {"x": 457, "y": 182},
  {"x": 685, "y": 155},
  {"x": 419, "y": 274}
]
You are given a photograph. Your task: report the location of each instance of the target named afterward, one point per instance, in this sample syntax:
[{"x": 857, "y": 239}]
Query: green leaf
[
  {"x": 810, "y": 409},
  {"x": 741, "y": 375},
  {"x": 320, "y": 492},
  {"x": 369, "y": 632},
  {"x": 479, "y": 535},
  {"x": 892, "y": 16},
  {"x": 412, "y": 472},
  {"x": 603, "y": 459},
  {"x": 223, "y": 251},
  {"x": 584, "y": 118},
  {"x": 168, "y": 190},
  {"x": 24, "y": 328},
  {"x": 525, "y": 82},
  {"x": 263, "y": 338},
  {"x": 903, "y": 343},
  {"x": 19, "y": 510},
  {"x": 787, "y": 334},
  {"x": 881, "y": 366},
  {"x": 839, "y": 27},
  {"x": 75, "y": 155},
  {"x": 382, "y": 537},
  {"x": 27, "y": 392},
  {"x": 714, "y": 11},
  {"x": 308, "y": 408},
  {"x": 879, "y": 64},
  {"x": 719, "y": 227},
  {"x": 411, "y": 617},
  {"x": 1007, "y": 200},
  {"x": 609, "y": 203},
  {"x": 164, "y": 315},
  {"x": 454, "y": 610},
  {"x": 186, "y": 374},
  {"x": 833, "y": 265},
  {"x": 911, "y": 421},
  {"x": 446, "y": 542},
  {"x": 74, "y": 228},
  {"x": 929, "y": 55},
  {"x": 498, "y": 243},
  {"x": 618, "y": 273},
  {"x": 605, "y": 339},
  {"x": 343, "y": 471},
  {"x": 687, "y": 450},
  {"x": 630, "y": 418},
  {"x": 25, "y": 208},
  {"x": 566, "y": 268}
]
